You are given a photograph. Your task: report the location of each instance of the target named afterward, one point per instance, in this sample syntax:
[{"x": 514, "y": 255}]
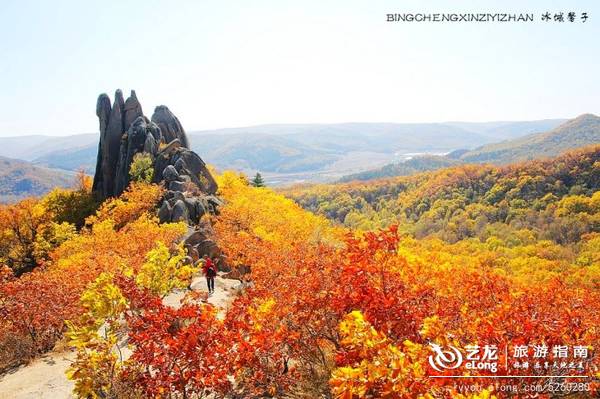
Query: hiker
[{"x": 210, "y": 271}]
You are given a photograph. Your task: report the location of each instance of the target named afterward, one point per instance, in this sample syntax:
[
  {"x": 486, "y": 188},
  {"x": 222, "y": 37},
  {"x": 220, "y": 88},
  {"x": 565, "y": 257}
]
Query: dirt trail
[{"x": 45, "y": 377}]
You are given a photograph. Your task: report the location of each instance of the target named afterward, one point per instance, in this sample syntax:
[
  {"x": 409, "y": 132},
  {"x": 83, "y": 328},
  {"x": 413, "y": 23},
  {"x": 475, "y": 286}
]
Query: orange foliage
[
  {"x": 36, "y": 305},
  {"x": 328, "y": 312},
  {"x": 411, "y": 292}
]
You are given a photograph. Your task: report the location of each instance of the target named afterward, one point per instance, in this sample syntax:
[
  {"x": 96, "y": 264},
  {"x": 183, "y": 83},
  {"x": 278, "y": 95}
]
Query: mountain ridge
[
  {"x": 577, "y": 132},
  {"x": 287, "y": 152},
  {"x": 20, "y": 179},
  {"x": 574, "y": 133}
]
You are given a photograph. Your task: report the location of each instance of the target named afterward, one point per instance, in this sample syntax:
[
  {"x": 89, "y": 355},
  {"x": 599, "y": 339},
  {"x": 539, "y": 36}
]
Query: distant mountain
[
  {"x": 581, "y": 131},
  {"x": 509, "y": 130},
  {"x": 379, "y": 137},
  {"x": 267, "y": 153},
  {"x": 299, "y": 148},
  {"x": 72, "y": 159},
  {"x": 410, "y": 167},
  {"x": 286, "y": 153},
  {"x": 19, "y": 179},
  {"x": 29, "y": 148},
  {"x": 303, "y": 148}
]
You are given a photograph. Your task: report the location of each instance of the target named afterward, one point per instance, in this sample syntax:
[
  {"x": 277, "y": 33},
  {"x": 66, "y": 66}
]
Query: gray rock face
[
  {"x": 180, "y": 212},
  {"x": 177, "y": 186},
  {"x": 164, "y": 213},
  {"x": 126, "y": 132},
  {"x": 118, "y": 142},
  {"x": 150, "y": 146},
  {"x": 195, "y": 208},
  {"x": 110, "y": 156},
  {"x": 132, "y": 109},
  {"x": 103, "y": 108},
  {"x": 108, "y": 148},
  {"x": 187, "y": 163},
  {"x": 198, "y": 243},
  {"x": 132, "y": 143},
  {"x": 169, "y": 125}
]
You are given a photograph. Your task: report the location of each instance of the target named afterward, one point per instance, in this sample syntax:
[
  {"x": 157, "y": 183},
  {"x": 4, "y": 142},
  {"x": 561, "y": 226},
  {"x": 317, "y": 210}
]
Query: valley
[{"x": 284, "y": 154}]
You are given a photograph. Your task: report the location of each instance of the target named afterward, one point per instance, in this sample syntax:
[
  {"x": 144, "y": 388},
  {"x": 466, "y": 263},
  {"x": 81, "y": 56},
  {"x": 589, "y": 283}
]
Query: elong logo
[{"x": 445, "y": 359}]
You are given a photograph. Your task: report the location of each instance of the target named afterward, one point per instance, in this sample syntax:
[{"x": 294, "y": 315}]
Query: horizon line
[{"x": 272, "y": 124}]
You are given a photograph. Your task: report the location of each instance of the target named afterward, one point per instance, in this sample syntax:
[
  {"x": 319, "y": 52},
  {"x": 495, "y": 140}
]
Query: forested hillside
[
  {"x": 325, "y": 311},
  {"x": 20, "y": 179},
  {"x": 572, "y": 134},
  {"x": 410, "y": 167},
  {"x": 579, "y": 132},
  {"x": 554, "y": 199}
]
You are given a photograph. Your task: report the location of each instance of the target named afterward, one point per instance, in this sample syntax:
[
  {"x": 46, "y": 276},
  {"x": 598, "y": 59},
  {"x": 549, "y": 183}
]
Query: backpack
[{"x": 211, "y": 270}]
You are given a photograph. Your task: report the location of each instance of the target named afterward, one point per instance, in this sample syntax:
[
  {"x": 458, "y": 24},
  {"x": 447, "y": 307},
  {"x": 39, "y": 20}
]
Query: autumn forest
[{"x": 349, "y": 285}]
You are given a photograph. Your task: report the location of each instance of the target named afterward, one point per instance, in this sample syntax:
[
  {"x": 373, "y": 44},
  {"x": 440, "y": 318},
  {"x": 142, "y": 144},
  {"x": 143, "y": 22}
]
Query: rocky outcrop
[
  {"x": 187, "y": 165},
  {"x": 126, "y": 132},
  {"x": 169, "y": 125},
  {"x": 115, "y": 121},
  {"x": 142, "y": 137},
  {"x": 132, "y": 109},
  {"x": 198, "y": 243}
]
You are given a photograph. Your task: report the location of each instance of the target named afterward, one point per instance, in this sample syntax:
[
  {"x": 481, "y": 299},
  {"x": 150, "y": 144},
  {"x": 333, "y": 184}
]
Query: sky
[{"x": 220, "y": 64}]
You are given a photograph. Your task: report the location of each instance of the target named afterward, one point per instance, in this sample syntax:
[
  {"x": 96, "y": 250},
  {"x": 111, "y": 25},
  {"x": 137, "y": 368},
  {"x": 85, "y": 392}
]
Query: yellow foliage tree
[
  {"x": 380, "y": 369},
  {"x": 162, "y": 271},
  {"x": 94, "y": 336}
]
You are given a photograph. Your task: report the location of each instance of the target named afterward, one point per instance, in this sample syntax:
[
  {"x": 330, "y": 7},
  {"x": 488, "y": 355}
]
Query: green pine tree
[{"x": 258, "y": 181}]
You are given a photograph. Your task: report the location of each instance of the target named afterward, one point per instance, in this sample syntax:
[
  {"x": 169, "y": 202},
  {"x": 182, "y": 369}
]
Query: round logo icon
[{"x": 445, "y": 359}]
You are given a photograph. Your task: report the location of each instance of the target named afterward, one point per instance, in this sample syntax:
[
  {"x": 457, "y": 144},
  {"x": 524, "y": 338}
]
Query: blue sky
[{"x": 236, "y": 63}]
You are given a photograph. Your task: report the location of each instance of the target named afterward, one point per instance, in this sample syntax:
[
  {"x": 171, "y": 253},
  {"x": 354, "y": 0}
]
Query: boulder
[
  {"x": 180, "y": 165},
  {"x": 170, "y": 173},
  {"x": 169, "y": 125},
  {"x": 208, "y": 247},
  {"x": 173, "y": 196},
  {"x": 179, "y": 212},
  {"x": 192, "y": 209},
  {"x": 222, "y": 264},
  {"x": 213, "y": 200},
  {"x": 195, "y": 238},
  {"x": 212, "y": 204},
  {"x": 189, "y": 163},
  {"x": 164, "y": 213},
  {"x": 195, "y": 208},
  {"x": 163, "y": 159}
]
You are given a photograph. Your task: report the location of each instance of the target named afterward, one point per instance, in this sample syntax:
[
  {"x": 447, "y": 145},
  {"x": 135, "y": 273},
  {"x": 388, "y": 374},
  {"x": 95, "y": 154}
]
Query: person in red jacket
[{"x": 210, "y": 271}]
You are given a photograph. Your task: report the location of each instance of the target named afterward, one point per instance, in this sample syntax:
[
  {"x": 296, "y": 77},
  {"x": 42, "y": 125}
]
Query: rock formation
[
  {"x": 169, "y": 125},
  {"x": 126, "y": 132}
]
